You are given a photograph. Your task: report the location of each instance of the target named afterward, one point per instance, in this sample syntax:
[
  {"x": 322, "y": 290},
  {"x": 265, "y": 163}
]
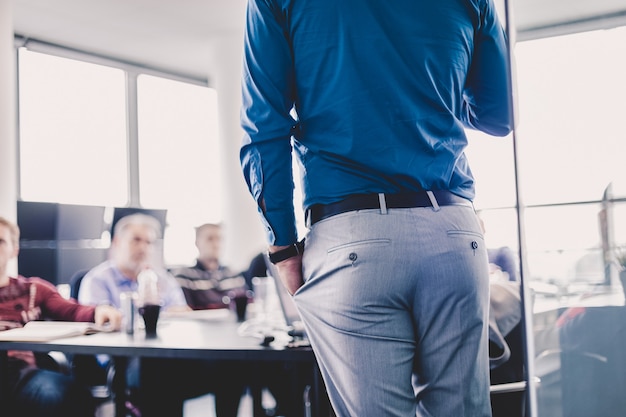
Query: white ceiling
[
  {"x": 178, "y": 36},
  {"x": 172, "y": 35}
]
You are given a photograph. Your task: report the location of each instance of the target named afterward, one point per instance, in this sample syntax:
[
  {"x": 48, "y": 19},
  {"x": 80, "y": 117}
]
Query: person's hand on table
[{"x": 108, "y": 315}]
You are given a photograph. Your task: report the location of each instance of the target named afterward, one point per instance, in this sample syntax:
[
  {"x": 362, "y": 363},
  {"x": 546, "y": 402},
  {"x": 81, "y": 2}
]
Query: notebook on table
[{"x": 44, "y": 331}]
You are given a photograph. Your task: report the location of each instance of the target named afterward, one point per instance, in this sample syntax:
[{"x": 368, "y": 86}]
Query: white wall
[
  {"x": 8, "y": 166},
  {"x": 244, "y": 235}
]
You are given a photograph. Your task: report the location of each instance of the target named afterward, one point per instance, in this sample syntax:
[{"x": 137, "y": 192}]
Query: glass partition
[{"x": 571, "y": 171}]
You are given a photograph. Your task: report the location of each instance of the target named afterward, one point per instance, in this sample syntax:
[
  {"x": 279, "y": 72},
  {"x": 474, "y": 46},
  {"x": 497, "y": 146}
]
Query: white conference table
[{"x": 177, "y": 338}]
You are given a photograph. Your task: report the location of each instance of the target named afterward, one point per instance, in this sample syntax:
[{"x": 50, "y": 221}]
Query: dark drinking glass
[
  {"x": 241, "y": 304},
  {"x": 150, "y": 314}
]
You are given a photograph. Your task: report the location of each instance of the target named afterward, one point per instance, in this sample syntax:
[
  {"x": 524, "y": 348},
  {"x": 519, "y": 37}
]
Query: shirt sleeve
[
  {"x": 171, "y": 293},
  {"x": 268, "y": 91},
  {"x": 54, "y": 306},
  {"x": 94, "y": 291},
  {"x": 488, "y": 104}
]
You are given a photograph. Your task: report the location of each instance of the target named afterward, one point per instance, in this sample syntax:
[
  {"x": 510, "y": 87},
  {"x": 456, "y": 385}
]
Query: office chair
[
  {"x": 53, "y": 361},
  {"x": 75, "y": 282},
  {"x": 510, "y": 401}
]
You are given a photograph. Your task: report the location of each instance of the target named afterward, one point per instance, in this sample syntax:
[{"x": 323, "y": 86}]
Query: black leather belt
[{"x": 319, "y": 212}]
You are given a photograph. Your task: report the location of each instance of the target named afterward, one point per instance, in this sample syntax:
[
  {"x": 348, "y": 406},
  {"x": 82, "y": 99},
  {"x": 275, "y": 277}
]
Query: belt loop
[
  {"x": 383, "y": 203},
  {"x": 307, "y": 219},
  {"x": 433, "y": 200}
]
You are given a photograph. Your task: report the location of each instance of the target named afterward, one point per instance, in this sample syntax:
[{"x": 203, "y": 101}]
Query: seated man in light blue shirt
[{"x": 133, "y": 249}]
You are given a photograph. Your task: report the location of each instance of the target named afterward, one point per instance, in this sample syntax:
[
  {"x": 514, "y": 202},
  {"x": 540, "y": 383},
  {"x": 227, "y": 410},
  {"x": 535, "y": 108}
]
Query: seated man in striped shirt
[{"x": 209, "y": 284}]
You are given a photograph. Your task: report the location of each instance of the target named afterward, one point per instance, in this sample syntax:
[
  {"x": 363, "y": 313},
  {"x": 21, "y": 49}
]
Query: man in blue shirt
[{"x": 373, "y": 97}]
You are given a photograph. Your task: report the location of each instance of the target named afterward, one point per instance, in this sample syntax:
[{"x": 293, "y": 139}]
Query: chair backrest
[{"x": 75, "y": 281}]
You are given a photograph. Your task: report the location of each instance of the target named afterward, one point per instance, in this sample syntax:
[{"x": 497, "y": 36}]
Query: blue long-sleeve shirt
[{"x": 375, "y": 94}]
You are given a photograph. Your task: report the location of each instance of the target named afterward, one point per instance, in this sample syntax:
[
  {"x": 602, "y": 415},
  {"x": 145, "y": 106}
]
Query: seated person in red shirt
[{"x": 37, "y": 392}]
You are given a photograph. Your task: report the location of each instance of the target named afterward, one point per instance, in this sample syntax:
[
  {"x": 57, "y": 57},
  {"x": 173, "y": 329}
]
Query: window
[
  {"x": 179, "y": 159},
  {"x": 75, "y": 143},
  {"x": 571, "y": 148},
  {"x": 72, "y": 131},
  {"x": 571, "y": 91},
  {"x": 570, "y": 145}
]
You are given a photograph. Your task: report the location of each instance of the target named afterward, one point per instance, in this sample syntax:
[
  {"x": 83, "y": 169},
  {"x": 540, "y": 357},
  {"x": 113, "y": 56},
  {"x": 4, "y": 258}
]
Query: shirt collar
[{"x": 122, "y": 281}]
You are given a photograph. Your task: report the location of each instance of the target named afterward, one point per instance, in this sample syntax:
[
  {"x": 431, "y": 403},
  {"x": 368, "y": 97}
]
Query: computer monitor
[
  {"x": 76, "y": 222},
  {"x": 72, "y": 259},
  {"x": 119, "y": 212},
  {"x": 37, "y": 220},
  {"x": 53, "y": 221},
  {"x": 38, "y": 262}
]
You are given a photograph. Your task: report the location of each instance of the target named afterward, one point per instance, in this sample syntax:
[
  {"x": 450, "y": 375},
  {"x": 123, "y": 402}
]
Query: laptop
[{"x": 287, "y": 305}]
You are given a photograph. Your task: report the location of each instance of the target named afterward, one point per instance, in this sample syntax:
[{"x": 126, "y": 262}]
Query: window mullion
[{"x": 132, "y": 138}]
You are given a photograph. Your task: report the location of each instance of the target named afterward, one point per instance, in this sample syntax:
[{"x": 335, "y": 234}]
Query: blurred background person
[
  {"x": 209, "y": 284},
  {"x": 39, "y": 392},
  {"x": 159, "y": 387},
  {"x": 503, "y": 261},
  {"x": 133, "y": 250}
]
